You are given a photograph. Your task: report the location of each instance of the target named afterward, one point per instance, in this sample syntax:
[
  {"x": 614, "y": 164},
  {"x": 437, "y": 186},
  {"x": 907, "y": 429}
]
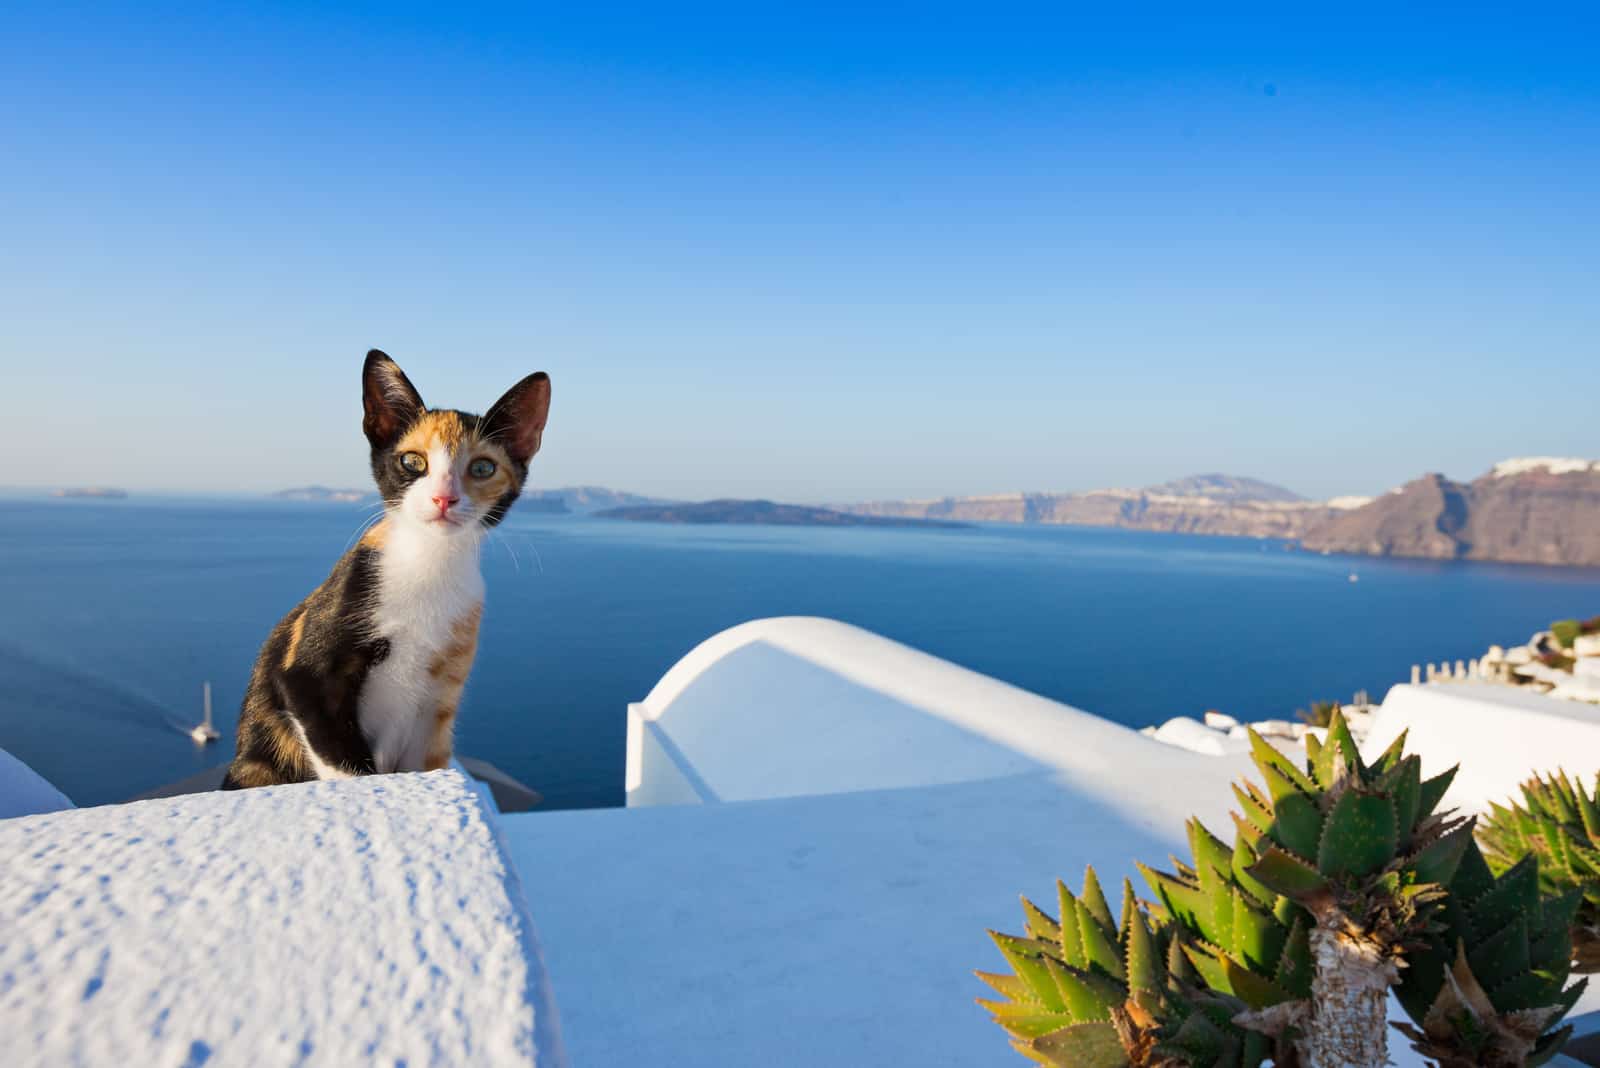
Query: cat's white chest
[{"x": 423, "y": 594}]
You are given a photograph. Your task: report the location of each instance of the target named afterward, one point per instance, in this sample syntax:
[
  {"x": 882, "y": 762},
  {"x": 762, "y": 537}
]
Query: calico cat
[{"x": 365, "y": 674}]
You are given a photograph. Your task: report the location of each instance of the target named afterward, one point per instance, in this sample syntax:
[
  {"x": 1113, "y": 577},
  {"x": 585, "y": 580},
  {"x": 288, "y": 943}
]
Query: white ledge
[{"x": 375, "y": 920}]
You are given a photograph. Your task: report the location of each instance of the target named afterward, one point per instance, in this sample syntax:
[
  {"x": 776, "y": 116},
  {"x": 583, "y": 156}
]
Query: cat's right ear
[{"x": 389, "y": 402}]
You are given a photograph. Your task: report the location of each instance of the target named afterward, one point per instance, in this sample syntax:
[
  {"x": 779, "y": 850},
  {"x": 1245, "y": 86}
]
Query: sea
[{"x": 116, "y": 612}]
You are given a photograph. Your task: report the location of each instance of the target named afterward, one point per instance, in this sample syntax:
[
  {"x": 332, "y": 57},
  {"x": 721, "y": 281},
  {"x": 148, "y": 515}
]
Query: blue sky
[{"x": 818, "y": 253}]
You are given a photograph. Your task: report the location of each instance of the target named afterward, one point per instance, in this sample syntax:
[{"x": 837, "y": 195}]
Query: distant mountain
[
  {"x": 1199, "y": 504},
  {"x": 1538, "y": 510},
  {"x": 759, "y": 512},
  {"x": 323, "y": 493},
  {"x": 105, "y": 493},
  {"x": 582, "y": 499},
  {"x": 1226, "y": 488}
]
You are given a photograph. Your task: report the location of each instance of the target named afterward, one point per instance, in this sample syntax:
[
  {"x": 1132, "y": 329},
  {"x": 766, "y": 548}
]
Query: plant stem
[{"x": 1348, "y": 1025}]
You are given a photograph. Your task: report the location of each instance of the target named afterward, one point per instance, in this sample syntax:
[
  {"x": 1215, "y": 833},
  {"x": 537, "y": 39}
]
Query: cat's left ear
[
  {"x": 516, "y": 422},
  {"x": 389, "y": 402}
]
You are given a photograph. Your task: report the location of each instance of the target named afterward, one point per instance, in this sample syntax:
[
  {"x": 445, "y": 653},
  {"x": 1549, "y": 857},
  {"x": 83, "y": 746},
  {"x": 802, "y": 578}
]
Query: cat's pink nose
[{"x": 446, "y": 502}]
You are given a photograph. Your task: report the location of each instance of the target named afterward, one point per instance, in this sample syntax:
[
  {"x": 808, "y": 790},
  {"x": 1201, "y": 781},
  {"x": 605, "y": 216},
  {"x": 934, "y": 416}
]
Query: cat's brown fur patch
[
  {"x": 377, "y": 536},
  {"x": 286, "y": 747},
  {"x": 296, "y": 632},
  {"x": 246, "y": 773},
  {"x": 442, "y": 428},
  {"x": 450, "y": 669}
]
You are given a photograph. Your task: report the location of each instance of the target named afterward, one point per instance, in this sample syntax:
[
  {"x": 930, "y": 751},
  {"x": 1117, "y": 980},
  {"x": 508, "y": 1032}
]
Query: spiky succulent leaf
[
  {"x": 1557, "y": 821},
  {"x": 1026, "y": 957},
  {"x": 1094, "y": 1045},
  {"x": 1083, "y": 993},
  {"x": 1093, "y": 899},
  {"x": 1099, "y": 944},
  {"x": 1071, "y": 939},
  {"x": 1390, "y": 756},
  {"x": 1278, "y": 770},
  {"x": 1514, "y": 893},
  {"x": 1007, "y": 986},
  {"x": 1489, "y": 985},
  {"x": 1258, "y": 936},
  {"x": 1255, "y": 806},
  {"x": 1144, "y": 967},
  {"x": 1289, "y": 875},
  {"x": 1297, "y": 824},
  {"x": 1437, "y": 861},
  {"x": 1041, "y": 925},
  {"x": 1360, "y": 835},
  {"x": 1432, "y": 792},
  {"x": 1088, "y": 995},
  {"x": 1294, "y": 963}
]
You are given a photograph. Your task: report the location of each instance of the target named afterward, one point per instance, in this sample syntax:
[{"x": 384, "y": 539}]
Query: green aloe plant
[
  {"x": 1243, "y": 940},
  {"x": 1560, "y": 824},
  {"x": 1489, "y": 989},
  {"x": 1090, "y": 991},
  {"x": 1286, "y": 943},
  {"x": 1336, "y": 870}
]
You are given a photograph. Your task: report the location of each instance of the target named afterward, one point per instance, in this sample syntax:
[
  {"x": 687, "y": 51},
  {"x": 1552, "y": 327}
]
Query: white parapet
[
  {"x": 1499, "y": 735},
  {"x": 374, "y": 920}
]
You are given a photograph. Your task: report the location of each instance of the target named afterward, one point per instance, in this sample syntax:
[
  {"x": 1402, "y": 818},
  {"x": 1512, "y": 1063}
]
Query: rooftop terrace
[{"x": 822, "y": 823}]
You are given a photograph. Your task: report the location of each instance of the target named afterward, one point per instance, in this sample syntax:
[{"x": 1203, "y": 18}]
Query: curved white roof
[{"x": 800, "y": 705}]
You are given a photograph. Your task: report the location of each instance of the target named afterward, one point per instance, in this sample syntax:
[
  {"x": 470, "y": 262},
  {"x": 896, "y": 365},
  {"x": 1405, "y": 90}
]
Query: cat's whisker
[
  {"x": 536, "y": 557},
  {"x": 366, "y": 525},
  {"x": 505, "y": 543}
]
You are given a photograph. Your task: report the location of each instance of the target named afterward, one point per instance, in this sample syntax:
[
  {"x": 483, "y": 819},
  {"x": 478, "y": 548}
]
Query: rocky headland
[
  {"x": 1541, "y": 510},
  {"x": 1200, "y": 504}
]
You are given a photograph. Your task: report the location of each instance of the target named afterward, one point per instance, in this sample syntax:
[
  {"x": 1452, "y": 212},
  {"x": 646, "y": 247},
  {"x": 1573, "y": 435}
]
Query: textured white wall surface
[
  {"x": 370, "y": 921},
  {"x": 1500, "y": 736}
]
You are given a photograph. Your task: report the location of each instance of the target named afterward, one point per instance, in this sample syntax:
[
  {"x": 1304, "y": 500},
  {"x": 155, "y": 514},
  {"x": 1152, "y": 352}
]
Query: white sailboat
[{"x": 205, "y": 733}]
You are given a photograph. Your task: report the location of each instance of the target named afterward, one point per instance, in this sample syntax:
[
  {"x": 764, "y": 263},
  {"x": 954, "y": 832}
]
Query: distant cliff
[
  {"x": 765, "y": 513},
  {"x": 107, "y": 493},
  {"x": 1200, "y": 504},
  {"x": 581, "y": 499},
  {"x": 1540, "y": 511},
  {"x": 323, "y": 493}
]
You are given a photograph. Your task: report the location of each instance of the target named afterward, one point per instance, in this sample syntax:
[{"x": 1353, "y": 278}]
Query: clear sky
[{"x": 820, "y": 254}]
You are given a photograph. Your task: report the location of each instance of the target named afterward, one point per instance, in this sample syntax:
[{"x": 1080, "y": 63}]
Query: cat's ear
[
  {"x": 516, "y": 422},
  {"x": 389, "y": 401}
]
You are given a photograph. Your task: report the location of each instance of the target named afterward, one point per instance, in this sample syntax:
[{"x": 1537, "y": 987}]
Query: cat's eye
[
  {"x": 414, "y": 462},
  {"x": 481, "y": 468}
]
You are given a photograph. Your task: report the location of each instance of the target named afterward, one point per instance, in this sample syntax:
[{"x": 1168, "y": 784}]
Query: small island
[
  {"x": 103, "y": 493},
  {"x": 766, "y": 513},
  {"x": 322, "y": 493}
]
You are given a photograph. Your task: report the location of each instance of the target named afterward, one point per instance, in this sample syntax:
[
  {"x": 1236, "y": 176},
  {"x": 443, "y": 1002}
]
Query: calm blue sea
[{"x": 115, "y": 612}]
